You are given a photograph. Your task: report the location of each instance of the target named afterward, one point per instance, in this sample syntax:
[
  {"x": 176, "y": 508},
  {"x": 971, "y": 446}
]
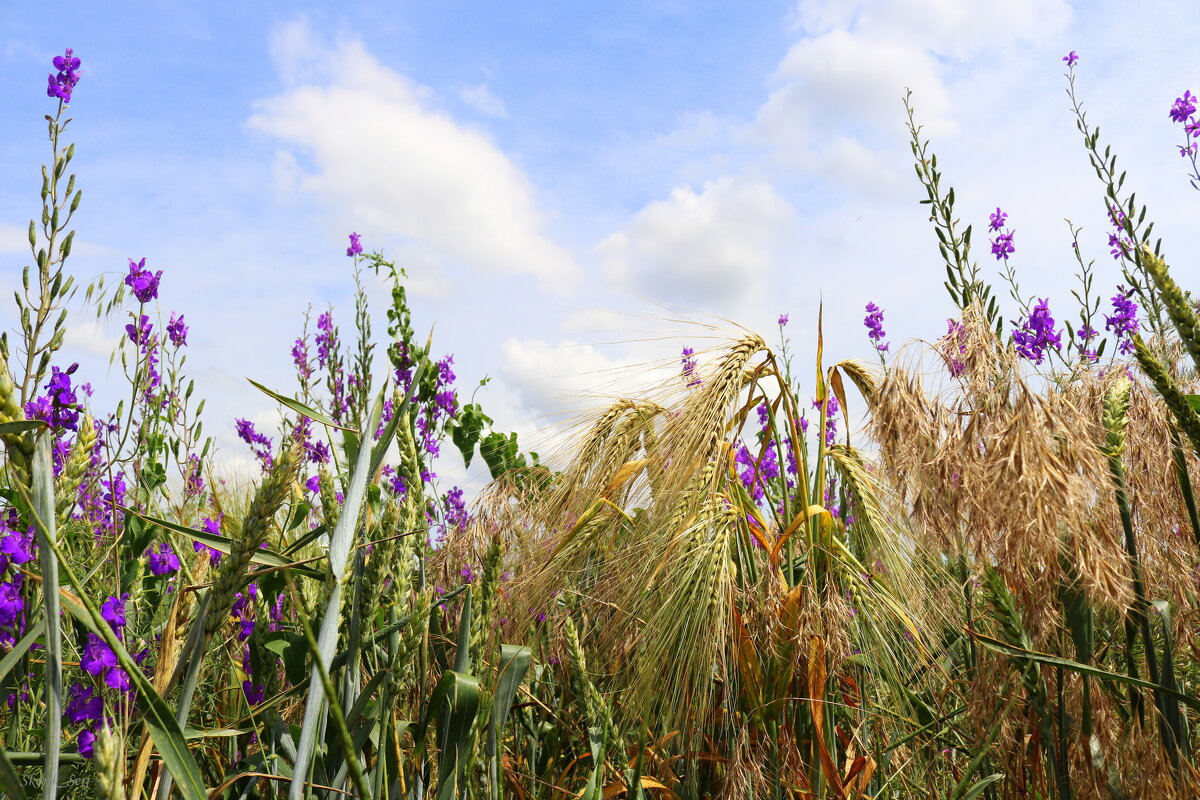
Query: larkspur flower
[
  {"x": 1123, "y": 322},
  {"x": 1192, "y": 128},
  {"x": 213, "y": 527},
  {"x": 783, "y": 320},
  {"x": 177, "y": 331},
  {"x": 300, "y": 358},
  {"x": 355, "y": 247},
  {"x": 86, "y": 743},
  {"x": 139, "y": 331},
  {"x": 1071, "y": 58},
  {"x": 16, "y": 547},
  {"x": 113, "y": 612},
  {"x": 456, "y": 509},
  {"x": 142, "y": 282},
  {"x": 11, "y": 604},
  {"x": 260, "y": 443},
  {"x": 162, "y": 560},
  {"x": 1002, "y": 246},
  {"x": 313, "y": 484},
  {"x": 63, "y": 84},
  {"x": 996, "y": 220},
  {"x": 59, "y": 407},
  {"x": 1037, "y": 334},
  {"x": 82, "y": 706},
  {"x": 255, "y": 692},
  {"x": 687, "y": 361},
  {"x": 874, "y": 325},
  {"x": 97, "y": 656},
  {"x": 1184, "y": 107}
]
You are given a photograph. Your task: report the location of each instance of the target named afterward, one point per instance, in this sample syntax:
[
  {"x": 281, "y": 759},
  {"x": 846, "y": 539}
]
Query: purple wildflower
[
  {"x": 783, "y": 320},
  {"x": 113, "y": 611},
  {"x": 1037, "y": 333},
  {"x": 255, "y": 692},
  {"x": 313, "y": 484},
  {"x": 1002, "y": 246},
  {"x": 874, "y": 324},
  {"x": 59, "y": 408},
  {"x": 1123, "y": 322},
  {"x": 456, "y": 509},
  {"x": 177, "y": 330},
  {"x": 97, "y": 656},
  {"x": 142, "y": 282},
  {"x": 62, "y": 84},
  {"x": 996, "y": 221},
  {"x": 11, "y": 604},
  {"x": 214, "y": 527},
  {"x": 1071, "y": 58},
  {"x": 82, "y": 705},
  {"x": 163, "y": 560},
  {"x": 87, "y": 743},
  {"x": 300, "y": 358},
  {"x": 687, "y": 361},
  {"x": 139, "y": 331},
  {"x": 1184, "y": 107},
  {"x": 355, "y": 248},
  {"x": 326, "y": 338},
  {"x": 258, "y": 442}
]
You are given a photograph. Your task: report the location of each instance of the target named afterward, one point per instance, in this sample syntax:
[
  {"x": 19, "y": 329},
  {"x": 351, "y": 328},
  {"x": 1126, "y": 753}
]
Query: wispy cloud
[{"x": 374, "y": 146}]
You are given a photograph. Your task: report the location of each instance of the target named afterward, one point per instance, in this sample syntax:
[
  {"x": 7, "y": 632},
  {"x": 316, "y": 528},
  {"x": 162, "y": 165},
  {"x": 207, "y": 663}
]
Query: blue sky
[{"x": 569, "y": 184}]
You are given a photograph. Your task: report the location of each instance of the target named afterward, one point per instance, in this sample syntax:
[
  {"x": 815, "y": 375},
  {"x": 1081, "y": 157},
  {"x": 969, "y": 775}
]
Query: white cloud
[
  {"x": 387, "y": 159},
  {"x": 482, "y": 100},
  {"x": 711, "y": 248},
  {"x": 844, "y": 77}
]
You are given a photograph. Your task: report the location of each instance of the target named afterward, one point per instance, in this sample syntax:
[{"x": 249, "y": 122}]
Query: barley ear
[
  {"x": 1181, "y": 312},
  {"x": 1185, "y": 415}
]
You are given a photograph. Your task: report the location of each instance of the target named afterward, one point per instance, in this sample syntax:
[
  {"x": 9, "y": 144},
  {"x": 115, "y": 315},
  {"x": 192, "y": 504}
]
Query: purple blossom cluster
[
  {"x": 874, "y": 325},
  {"x": 162, "y": 560},
  {"x": 142, "y": 282},
  {"x": 259, "y": 443},
  {"x": 1120, "y": 243},
  {"x": 1071, "y": 58},
  {"x": 1087, "y": 352},
  {"x": 1002, "y": 245},
  {"x": 59, "y": 407},
  {"x": 355, "y": 248},
  {"x": 213, "y": 527},
  {"x": 1123, "y": 322},
  {"x": 86, "y": 708},
  {"x": 831, "y": 412},
  {"x": 445, "y": 404},
  {"x": 63, "y": 84},
  {"x": 687, "y": 363},
  {"x": 1037, "y": 334},
  {"x": 16, "y": 548}
]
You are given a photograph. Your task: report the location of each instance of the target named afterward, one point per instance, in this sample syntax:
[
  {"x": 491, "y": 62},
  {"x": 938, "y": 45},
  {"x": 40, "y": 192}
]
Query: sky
[{"x": 577, "y": 190}]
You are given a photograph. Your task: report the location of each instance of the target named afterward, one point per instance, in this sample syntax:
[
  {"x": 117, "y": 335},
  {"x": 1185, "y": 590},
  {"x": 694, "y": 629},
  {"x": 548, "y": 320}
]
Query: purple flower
[
  {"x": 687, "y": 361},
  {"x": 355, "y": 248},
  {"x": 163, "y": 560},
  {"x": 97, "y": 656},
  {"x": 313, "y": 484},
  {"x": 117, "y": 678},
  {"x": 214, "y": 527},
  {"x": 113, "y": 611},
  {"x": 1037, "y": 333},
  {"x": 1189, "y": 150},
  {"x": 996, "y": 221},
  {"x": 11, "y": 604},
  {"x": 87, "y": 743},
  {"x": 467, "y": 573},
  {"x": 1002, "y": 246},
  {"x": 259, "y": 443},
  {"x": 59, "y": 408},
  {"x": 62, "y": 84},
  {"x": 1184, "y": 107},
  {"x": 456, "y": 509},
  {"x": 1192, "y": 128},
  {"x": 139, "y": 334},
  {"x": 300, "y": 358},
  {"x": 16, "y": 546},
  {"x": 783, "y": 320},
  {"x": 142, "y": 282},
  {"x": 1071, "y": 58},
  {"x": 255, "y": 692},
  {"x": 194, "y": 482},
  {"x": 1123, "y": 322},
  {"x": 326, "y": 338},
  {"x": 874, "y": 324},
  {"x": 177, "y": 330},
  {"x": 83, "y": 707}
]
